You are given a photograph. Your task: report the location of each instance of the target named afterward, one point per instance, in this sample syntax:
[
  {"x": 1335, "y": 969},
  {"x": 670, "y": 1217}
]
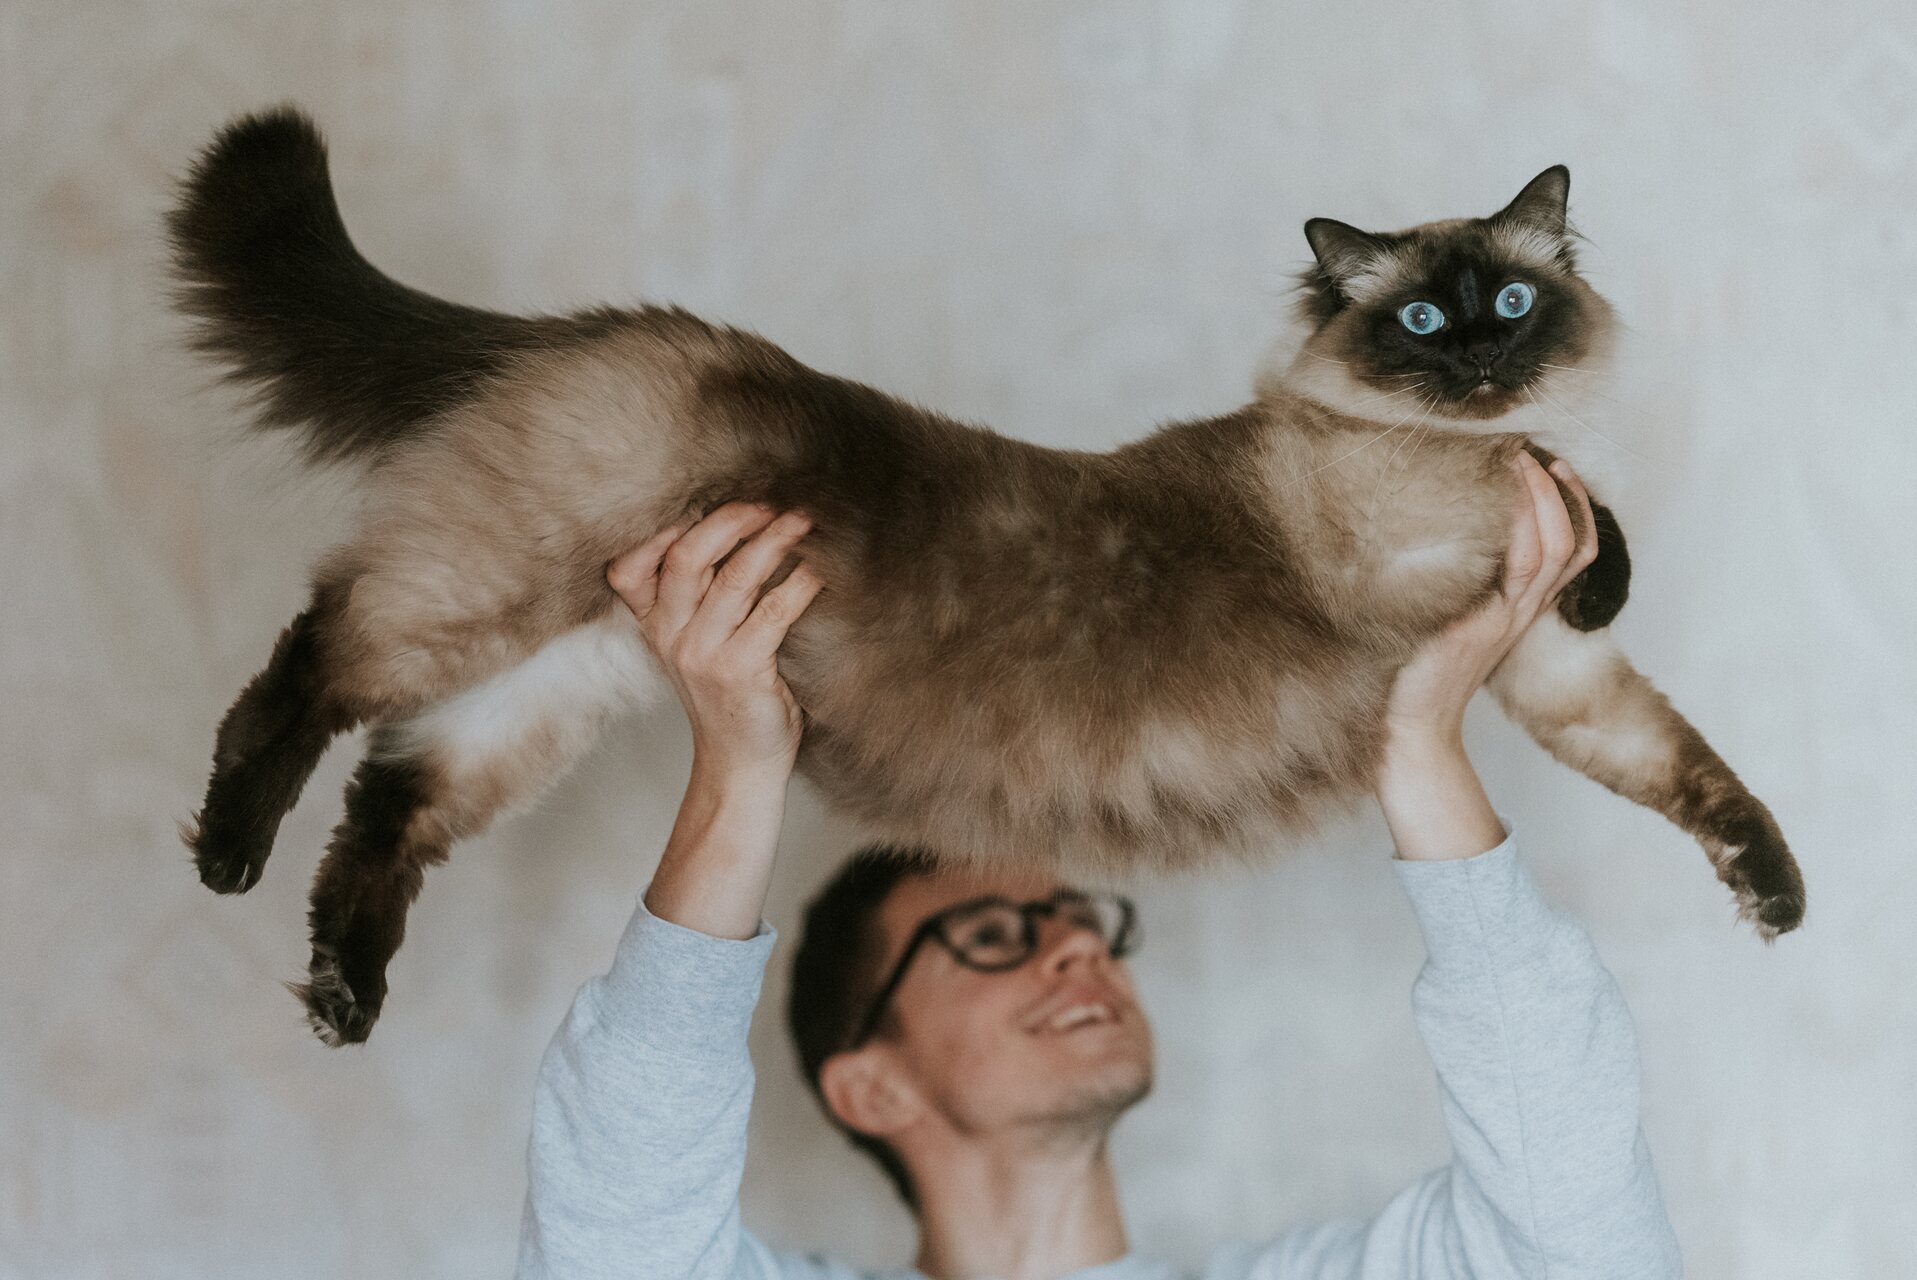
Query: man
[{"x": 978, "y": 1031}]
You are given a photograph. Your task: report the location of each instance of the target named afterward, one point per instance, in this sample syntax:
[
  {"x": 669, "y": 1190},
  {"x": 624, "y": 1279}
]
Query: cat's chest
[{"x": 1385, "y": 539}]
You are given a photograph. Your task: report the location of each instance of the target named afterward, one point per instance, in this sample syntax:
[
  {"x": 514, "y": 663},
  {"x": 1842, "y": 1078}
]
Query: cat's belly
[
  {"x": 507, "y": 735},
  {"x": 1052, "y": 763}
]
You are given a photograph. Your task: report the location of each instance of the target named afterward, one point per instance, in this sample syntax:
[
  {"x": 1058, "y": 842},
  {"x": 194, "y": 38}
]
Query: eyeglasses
[{"x": 994, "y": 935}]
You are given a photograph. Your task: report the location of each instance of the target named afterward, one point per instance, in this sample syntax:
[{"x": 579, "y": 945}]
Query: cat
[{"x": 1155, "y": 656}]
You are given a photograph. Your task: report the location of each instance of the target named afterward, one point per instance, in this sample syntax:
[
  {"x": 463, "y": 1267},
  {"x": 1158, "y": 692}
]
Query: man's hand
[
  {"x": 1431, "y": 796},
  {"x": 718, "y": 647},
  {"x": 693, "y": 589}
]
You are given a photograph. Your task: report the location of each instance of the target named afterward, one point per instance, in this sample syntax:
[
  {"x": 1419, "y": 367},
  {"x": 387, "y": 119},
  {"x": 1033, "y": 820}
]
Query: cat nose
[{"x": 1483, "y": 355}]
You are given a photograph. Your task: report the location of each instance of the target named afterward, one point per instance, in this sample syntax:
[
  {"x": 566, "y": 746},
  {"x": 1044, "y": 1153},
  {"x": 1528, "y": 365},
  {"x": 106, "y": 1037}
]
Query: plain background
[{"x": 1068, "y": 221}]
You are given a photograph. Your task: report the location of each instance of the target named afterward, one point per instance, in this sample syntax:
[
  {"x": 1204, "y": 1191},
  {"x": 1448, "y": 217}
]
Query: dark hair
[{"x": 835, "y": 975}]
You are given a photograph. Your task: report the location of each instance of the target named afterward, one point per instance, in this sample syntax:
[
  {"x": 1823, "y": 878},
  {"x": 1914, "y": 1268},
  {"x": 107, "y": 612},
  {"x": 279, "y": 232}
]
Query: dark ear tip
[{"x": 1329, "y": 229}]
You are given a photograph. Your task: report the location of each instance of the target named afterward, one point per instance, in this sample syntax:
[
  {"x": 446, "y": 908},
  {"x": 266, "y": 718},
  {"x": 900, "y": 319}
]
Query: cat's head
[{"x": 1464, "y": 320}]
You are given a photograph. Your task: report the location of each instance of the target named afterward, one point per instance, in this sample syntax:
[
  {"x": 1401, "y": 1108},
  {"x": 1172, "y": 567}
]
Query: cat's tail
[{"x": 337, "y": 351}]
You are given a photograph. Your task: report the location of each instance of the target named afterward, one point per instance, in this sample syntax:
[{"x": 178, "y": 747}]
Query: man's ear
[
  {"x": 1542, "y": 204},
  {"x": 865, "y": 1091},
  {"x": 1342, "y": 250}
]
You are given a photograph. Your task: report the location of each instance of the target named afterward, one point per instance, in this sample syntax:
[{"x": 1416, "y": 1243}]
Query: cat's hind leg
[
  {"x": 445, "y": 774},
  {"x": 372, "y": 871},
  {"x": 1581, "y": 698},
  {"x": 379, "y": 640},
  {"x": 268, "y": 744}
]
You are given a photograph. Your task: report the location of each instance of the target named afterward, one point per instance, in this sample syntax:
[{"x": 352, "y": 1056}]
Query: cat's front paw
[
  {"x": 1596, "y": 595},
  {"x": 1758, "y": 867}
]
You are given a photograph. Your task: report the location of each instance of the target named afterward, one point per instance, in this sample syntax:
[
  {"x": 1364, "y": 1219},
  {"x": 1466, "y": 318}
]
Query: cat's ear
[
  {"x": 1542, "y": 204},
  {"x": 1341, "y": 249}
]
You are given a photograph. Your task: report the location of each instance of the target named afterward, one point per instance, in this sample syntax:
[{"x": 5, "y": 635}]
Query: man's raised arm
[
  {"x": 1536, "y": 1060},
  {"x": 639, "y": 1119}
]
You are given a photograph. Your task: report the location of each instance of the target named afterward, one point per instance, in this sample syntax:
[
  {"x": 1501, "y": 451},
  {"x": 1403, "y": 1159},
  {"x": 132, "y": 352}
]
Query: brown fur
[{"x": 1155, "y": 656}]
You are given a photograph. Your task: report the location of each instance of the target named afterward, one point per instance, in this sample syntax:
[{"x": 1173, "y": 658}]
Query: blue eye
[
  {"x": 1420, "y": 317},
  {"x": 1514, "y": 300}
]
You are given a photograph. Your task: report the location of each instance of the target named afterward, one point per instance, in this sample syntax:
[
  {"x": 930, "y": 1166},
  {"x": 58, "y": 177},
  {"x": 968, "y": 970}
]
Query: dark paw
[
  {"x": 338, "y": 1014},
  {"x": 1760, "y": 870},
  {"x": 228, "y": 862},
  {"x": 1596, "y": 596}
]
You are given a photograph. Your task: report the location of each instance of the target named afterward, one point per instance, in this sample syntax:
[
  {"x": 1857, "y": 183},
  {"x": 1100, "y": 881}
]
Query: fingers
[
  {"x": 1524, "y": 556},
  {"x": 763, "y": 631},
  {"x": 1585, "y": 523},
  {"x": 635, "y": 575},
  {"x": 1538, "y": 568},
  {"x": 689, "y": 562},
  {"x": 737, "y": 582}
]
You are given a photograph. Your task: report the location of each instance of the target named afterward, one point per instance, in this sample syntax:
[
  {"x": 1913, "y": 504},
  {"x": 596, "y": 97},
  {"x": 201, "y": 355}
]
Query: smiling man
[{"x": 978, "y": 1034}]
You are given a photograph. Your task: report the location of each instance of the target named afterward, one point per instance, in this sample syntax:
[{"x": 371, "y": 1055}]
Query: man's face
[{"x": 1059, "y": 1040}]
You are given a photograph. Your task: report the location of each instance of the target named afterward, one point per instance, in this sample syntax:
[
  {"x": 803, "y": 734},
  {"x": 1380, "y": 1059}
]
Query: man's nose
[{"x": 1062, "y": 943}]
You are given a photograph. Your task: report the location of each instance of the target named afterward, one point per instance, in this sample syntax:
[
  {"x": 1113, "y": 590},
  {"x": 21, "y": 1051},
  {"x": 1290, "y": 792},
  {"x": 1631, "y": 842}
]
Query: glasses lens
[
  {"x": 1104, "y": 914},
  {"x": 990, "y": 936}
]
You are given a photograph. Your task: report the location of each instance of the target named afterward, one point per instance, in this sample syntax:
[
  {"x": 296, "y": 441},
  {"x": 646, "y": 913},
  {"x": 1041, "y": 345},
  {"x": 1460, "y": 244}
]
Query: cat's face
[{"x": 1465, "y": 319}]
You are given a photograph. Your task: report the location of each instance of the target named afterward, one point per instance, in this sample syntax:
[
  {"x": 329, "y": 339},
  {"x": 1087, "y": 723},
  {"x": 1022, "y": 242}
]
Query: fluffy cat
[{"x": 1149, "y": 656}]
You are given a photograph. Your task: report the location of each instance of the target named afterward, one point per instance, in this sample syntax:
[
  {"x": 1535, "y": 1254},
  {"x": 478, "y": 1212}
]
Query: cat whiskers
[
  {"x": 1345, "y": 364},
  {"x": 1296, "y": 480},
  {"x": 1426, "y": 404},
  {"x": 1583, "y": 389},
  {"x": 1541, "y": 398}
]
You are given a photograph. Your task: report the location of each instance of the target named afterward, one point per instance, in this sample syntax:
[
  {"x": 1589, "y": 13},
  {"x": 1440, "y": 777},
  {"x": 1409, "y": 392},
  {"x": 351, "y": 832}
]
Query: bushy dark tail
[{"x": 345, "y": 355}]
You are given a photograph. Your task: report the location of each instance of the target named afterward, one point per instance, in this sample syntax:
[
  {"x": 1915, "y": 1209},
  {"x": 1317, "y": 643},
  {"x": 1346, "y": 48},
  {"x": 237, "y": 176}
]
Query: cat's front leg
[{"x": 1581, "y": 698}]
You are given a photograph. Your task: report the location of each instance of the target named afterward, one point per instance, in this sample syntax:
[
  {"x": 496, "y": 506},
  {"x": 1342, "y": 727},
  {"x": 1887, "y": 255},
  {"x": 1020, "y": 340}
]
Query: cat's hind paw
[
  {"x": 226, "y": 863},
  {"x": 338, "y": 1017}
]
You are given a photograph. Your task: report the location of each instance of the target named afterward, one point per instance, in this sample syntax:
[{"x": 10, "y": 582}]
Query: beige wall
[{"x": 1067, "y": 220}]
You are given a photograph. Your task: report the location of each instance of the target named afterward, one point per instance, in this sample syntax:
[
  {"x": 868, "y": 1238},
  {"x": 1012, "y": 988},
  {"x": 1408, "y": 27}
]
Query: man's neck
[{"x": 1019, "y": 1211}]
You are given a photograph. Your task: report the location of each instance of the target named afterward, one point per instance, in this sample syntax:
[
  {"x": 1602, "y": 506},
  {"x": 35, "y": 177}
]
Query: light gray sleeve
[
  {"x": 639, "y": 1119},
  {"x": 1538, "y": 1077}
]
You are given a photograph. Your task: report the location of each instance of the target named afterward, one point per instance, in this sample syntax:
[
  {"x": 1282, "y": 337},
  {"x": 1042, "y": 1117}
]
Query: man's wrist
[
  {"x": 1415, "y": 742},
  {"x": 741, "y": 789},
  {"x": 1432, "y": 798},
  {"x": 717, "y": 865}
]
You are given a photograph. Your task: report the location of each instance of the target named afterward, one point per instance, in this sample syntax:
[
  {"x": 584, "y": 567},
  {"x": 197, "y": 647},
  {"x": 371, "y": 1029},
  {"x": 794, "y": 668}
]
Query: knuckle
[
  {"x": 735, "y": 575},
  {"x": 688, "y": 658},
  {"x": 775, "y": 609},
  {"x": 684, "y": 558}
]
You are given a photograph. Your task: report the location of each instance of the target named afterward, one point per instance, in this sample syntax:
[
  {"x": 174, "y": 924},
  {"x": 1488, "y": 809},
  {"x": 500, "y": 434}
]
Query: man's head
[{"x": 980, "y": 1037}]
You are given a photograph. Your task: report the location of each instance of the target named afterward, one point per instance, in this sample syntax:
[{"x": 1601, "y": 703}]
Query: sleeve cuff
[
  {"x": 1464, "y": 905},
  {"x": 684, "y": 992}
]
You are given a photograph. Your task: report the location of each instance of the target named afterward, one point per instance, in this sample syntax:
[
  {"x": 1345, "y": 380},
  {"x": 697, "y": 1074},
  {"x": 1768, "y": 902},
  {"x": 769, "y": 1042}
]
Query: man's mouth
[
  {"x": 1087, "y": 1014},
  {"x": 1082, "y": 1006}
]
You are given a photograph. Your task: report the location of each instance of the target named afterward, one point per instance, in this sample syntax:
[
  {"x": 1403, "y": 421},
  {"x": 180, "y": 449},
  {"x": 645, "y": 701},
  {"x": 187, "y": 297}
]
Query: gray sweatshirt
[{"x": 639, "y": 1121}]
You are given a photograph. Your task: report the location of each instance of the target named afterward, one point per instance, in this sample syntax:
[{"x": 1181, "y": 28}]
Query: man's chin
[{"x": 1101, "y": 1097}]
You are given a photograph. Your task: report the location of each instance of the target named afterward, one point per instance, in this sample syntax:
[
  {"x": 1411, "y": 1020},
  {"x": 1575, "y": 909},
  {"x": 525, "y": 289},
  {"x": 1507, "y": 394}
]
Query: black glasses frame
[{"x": 1123, "y": 942}]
